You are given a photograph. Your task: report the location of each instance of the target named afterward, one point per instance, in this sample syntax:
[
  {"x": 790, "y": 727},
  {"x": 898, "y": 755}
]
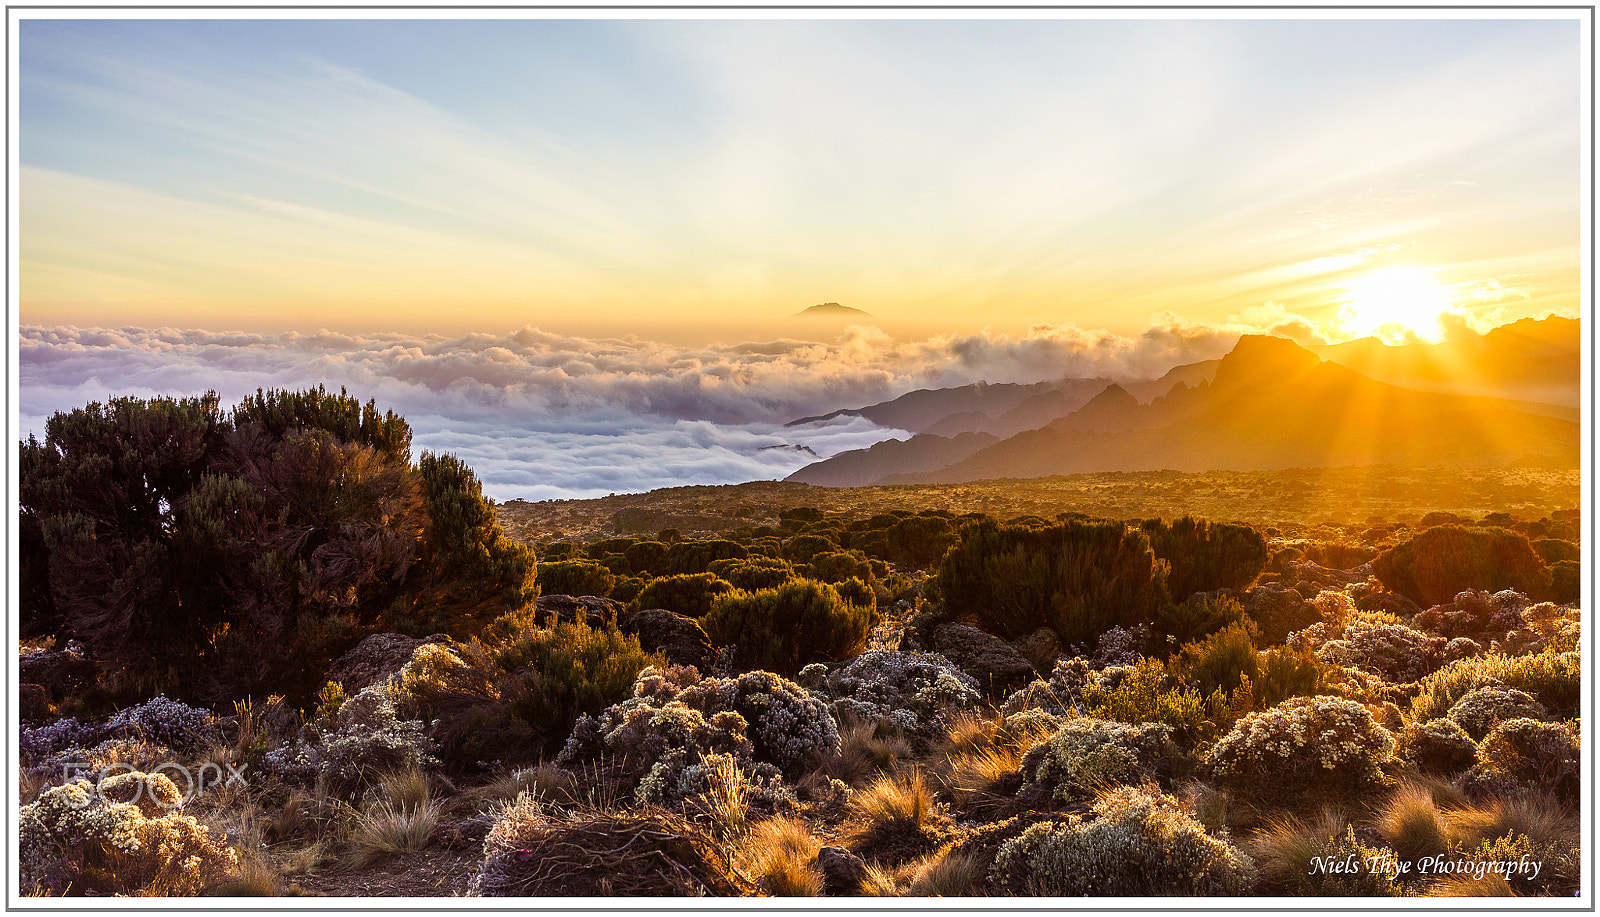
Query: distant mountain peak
[
  {"x": 1258, "y": 355},
  {"x": 828, "y": 309}
]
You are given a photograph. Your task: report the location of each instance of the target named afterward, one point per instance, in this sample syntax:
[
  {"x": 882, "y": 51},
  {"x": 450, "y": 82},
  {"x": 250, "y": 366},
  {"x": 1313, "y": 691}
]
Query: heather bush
[
  {"x": 1525, "y": 754},
  {"x": 1486, "y": 617},
  {"x": 1060, "y": 695},
  {"x": 753, "y": 572},
  {"x": 918, "y": 692},
  {"x": 838, "y": 566},
  {"x": 1220, "y": 660},
  {"x": 1553, "y": 551},
  {"x": 1077, "y": 578},
  {"x": 687, "y": 594},
  {"x": 127, "y": 835},
  {"x": 645, "y": 557},
  {"x": 1553, "y": 678},
  {"x": 1140, "y": 842},
  {"x": 1430, "y": 568},
  {"x": 1285, "y": 673},
  {"x": 575, "y": 577},
  {"x": 1323, "y": 746},
  {"x": 1566, "y": 582},
  {"x": 696, "y": 556},
  {"x": 1202, "y": 614},
  {"x": 801, "y": 548},
  {"x": 784, "y": 629},
  {"x": 1087, "y": 755},
  {"x": 1206, "y": 556},
  {"x": 1437, "y": 747},
  {"x": 1479, "y": 710}
]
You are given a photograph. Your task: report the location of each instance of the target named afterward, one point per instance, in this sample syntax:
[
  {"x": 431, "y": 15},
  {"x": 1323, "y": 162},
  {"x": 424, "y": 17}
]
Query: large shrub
[
  {"x": 784, "y": 629},
  {"x": 915, "y": 691},
  {"x": 1305, "y": 746},
  {"x": 686, "y": 593},
  {"x": 1138, "y": 843},
  {"x": 575, "y": 577},
  {"x": 214, "y": 556},
  {"x": 1430, "y": 568},
  {"x": 1523, "y": 754},
  {"x": 753, "y": 572},
  {"x": 1206, "y": 556},
  {"x": 696, "y": 556},
  {"x": 1077, "y": 578}
]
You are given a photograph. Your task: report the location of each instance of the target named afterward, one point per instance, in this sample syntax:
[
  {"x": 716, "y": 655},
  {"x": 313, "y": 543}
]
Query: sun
[{"x": 1396, "y": 304}]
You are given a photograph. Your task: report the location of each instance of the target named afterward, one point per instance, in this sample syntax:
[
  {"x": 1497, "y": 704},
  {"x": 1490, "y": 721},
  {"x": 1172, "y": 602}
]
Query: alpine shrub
[
  {"x": 1206, "y": 556},
  {"x": 1077, "y": 578},
  {"x": 687, "y": 594},
  {"x": 753, "y": 572},
  {"x": 1525, "y": 754},
  {"x": 1479, "y": 710},
  {"x": 1140, "y": 842},
  {"x": 575, "y": 577},
  {"x": 1430, "y": 568},
  {"x": 784, "y": 629},
  {"x": 1304, "y": 746},
  {"x": 1553, "y": 678},
  {"x": 696, "y": 556},
  {"x": 1088, "y": 755}
]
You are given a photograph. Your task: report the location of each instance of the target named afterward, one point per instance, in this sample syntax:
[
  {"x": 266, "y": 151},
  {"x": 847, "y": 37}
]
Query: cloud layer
[{"x": 541, "y": 415}]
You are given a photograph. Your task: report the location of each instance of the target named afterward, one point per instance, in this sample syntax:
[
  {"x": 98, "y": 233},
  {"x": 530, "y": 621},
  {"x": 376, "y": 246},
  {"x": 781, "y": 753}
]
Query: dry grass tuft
[
  {"x": 778, "y": 855},
  {"x": 1285, "y": 848},
  {"x": 983, "y": 782},
  {"x": 949, "y": 875},
  {"x": 1412, "y": 824},
  {"x": 385, "y": 829},
  {"x": 897, "y": 819},
  {"x": 866, "y": 749}
]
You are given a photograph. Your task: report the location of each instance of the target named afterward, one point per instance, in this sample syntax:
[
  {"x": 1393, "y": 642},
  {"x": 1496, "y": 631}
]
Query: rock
[
  {"x": 842, "y": 871},
  {"x": 679, "y": 637},
  {"x": 1040, "y": 648},
  {"x": 1279, "y": 611},
  {"x": 1320, "y": 577},
  {"x": 33, "y": 704},
  {"x": 593, "y": 610},
  {"x": 997, "y": 666},
  {"x": 62, "y": 673},
  {"x": 375, "y": 659}
]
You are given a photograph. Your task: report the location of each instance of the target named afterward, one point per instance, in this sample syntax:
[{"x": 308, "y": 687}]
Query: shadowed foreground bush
[
  {"x": 1139, "y": 843},
  {"x": 600, "y": 855}
]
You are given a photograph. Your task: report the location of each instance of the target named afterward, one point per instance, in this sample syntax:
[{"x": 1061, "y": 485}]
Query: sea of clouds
[{"x": 546, "y": 416}]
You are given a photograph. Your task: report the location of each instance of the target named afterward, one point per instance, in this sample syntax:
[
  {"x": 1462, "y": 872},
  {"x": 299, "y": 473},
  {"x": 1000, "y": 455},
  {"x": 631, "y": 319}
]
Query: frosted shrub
[
  {"x": 786, "y": 723},
  {"x": 37, "y": 742},
  {"x": 1479, "y": 710},
  {"x": 1306, "y": 745},
  {"x": 367, "y": 740},
  {"x": 169, "y": 722},
  {"x": 1399, "y": 653},
  {"x": 1086, "y": 755},
  {"x": 1062, "y": 694},
  {"x": 126, "y": 837},
  {"x": 1140, "y": 842},
  {"x": 880, "y": 683}
]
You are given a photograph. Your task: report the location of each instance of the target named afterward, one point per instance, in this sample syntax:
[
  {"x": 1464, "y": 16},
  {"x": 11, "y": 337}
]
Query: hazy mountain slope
[
  {"x": 1274, "y": 405},
  {"x": 1528, "y": 360},
  {"x": 918, "y": 410},
  {"x": 923, "y": 452}
]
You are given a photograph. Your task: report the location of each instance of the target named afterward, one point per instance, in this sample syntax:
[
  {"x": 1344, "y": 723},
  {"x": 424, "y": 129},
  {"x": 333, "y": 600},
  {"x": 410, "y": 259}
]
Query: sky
[
  {"x": 571, "y": 251},
  {"x": 696, "y": 180}
]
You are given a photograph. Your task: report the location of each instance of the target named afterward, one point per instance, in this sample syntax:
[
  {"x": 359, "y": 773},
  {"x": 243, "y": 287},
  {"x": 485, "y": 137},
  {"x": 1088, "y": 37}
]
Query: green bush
[
  {"x": 687, "y": 594},
  {"x": 1077, "y": 578},
  {"x": 1553, "y": 550},
  {"x": 1203, "y": 614},
  {"x": 753, "y": 572},
  {"x": 696, "y": 556},
  {"x": 801, "y": 548},
  {"x": 1287, "y": 673},
  {"x": 1553, "y": 678},
  {"x": 1139, "y": 843},
  {"x": 838, "y": 566},
  {"x": 575, "y": 577},
  {"x": 1566, "y": 582},
  {"x": 1143, "y": 694},
  {"x": 645, "y": 557},
  {"x": 1437, "y": 747},
  {"x": 786, "y": 628},
  {"x": 1206, "y": 556},
  {"x": 1220, "y": 660},
  {"x": 1430, "y": 568}
]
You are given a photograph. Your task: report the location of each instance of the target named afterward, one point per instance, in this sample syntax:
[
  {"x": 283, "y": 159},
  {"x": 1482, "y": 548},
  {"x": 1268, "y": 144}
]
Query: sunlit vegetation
[{"x": 793, "y": 703}]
